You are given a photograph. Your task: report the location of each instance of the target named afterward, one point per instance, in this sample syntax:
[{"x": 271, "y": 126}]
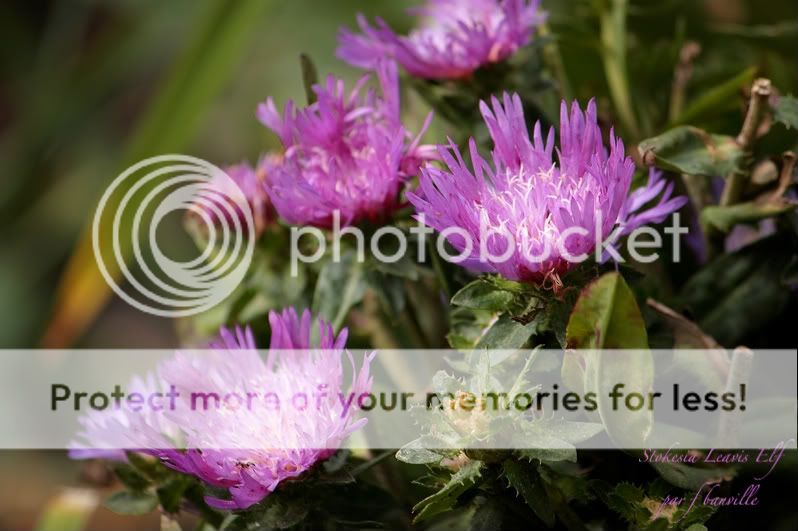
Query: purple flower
[
  {"x": 459, "y": 37},
  {"x": 240, "y": 179},
  {"x": 254, "y": 436},
  {"x": 528, "y": 216},
  {"x": 346, "y": 152}
]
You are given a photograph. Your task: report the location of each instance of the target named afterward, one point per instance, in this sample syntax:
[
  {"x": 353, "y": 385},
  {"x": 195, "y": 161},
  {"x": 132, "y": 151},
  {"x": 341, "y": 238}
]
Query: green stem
[{"x": 612, "y": 17}]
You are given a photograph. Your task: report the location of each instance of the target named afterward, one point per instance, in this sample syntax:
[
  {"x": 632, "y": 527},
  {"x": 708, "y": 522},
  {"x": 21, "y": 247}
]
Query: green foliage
[
  {"x": 527, "y": 483},
  {"x": 606, "y": 316},
  {"x": 687, "y": 149},
  {"x": 446, "y": 498},
  {"x": 339, "y": 287},
  {"x": 739, "y": 293}
]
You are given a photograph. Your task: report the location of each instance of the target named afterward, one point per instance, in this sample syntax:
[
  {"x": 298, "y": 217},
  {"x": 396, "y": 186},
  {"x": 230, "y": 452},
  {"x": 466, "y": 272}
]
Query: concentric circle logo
[{"x": 125, "y": 229}]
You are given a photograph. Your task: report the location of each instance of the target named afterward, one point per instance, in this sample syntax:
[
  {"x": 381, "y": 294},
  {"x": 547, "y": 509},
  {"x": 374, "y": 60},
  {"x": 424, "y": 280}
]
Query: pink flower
[
  {"x": 236, "y": 424},
  {"x": 345, "y": 153},
  {"x": 539, "y": 211},
  {"x": 459, "y": 36}
]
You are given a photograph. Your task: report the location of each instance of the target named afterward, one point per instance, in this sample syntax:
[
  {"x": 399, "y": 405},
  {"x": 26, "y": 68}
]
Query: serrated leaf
[
  {"x": 526, "y": 482},
  {"x": 692, "y": 151},
  {"x": 446, "y": 497},
  {"x": 626, "y": 500},
  {"x": 131, "y": 503},
  {"x": 483, "y": 295},
  {"x": 786, "y": 111}
]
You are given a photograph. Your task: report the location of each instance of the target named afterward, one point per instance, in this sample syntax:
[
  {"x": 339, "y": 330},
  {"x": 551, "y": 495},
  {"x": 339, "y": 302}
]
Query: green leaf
[
  {"x": 467, "y": 327},
  {"x": 131, "y": 503},
  {"x": 505, "y": 333},
  {"x": 483, "y": 295},
  {"x": 606, "y": 316},
  {"x": 549, "y": 455},
  {"x": 693, "y": 151},
  {"x": 736, "y": 294},
  {"x": 340, "y": 286},
  {"x": 626, "y": 499},
  {"x": 446, "y": 497},
  {"x": 414, "y": 454},
  {"x": 724, "y": 218},
  {"x": 526, "y": 482},
  {"x": 310, "y": 76},
  {"x": 786, "y": 111},
  {"x": 724, "y": 96}
]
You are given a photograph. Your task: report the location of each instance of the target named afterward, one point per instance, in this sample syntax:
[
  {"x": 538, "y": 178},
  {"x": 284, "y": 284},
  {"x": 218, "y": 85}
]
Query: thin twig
[{"x": 757, "y": 110}]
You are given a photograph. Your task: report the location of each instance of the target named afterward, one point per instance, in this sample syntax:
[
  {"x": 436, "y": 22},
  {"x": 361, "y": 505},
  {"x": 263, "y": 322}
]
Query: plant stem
[
  {"x": 757, "y": 110},
  {"x": 612, "y": 16}
]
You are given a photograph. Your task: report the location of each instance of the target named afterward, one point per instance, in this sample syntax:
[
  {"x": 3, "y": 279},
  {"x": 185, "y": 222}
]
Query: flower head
[
  {"x": 345, "y": 152},
  {"x": 529, "y": 216},
  {"x": 236, "y": 424},
  {"x": 459, "y": 37}
]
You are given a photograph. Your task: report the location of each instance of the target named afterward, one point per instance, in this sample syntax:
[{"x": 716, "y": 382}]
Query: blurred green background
[{"x": 89, "y": 87}]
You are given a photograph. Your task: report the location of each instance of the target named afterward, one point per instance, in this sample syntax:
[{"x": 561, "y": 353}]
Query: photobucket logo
[
  {"x": 126, "y": 223},
  {"x": 493, "y": 244}
]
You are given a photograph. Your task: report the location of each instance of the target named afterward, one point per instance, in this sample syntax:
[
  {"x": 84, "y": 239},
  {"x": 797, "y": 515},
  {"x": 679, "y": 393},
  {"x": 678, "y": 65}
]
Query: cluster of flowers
[{"x": 349, "y": 152}]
